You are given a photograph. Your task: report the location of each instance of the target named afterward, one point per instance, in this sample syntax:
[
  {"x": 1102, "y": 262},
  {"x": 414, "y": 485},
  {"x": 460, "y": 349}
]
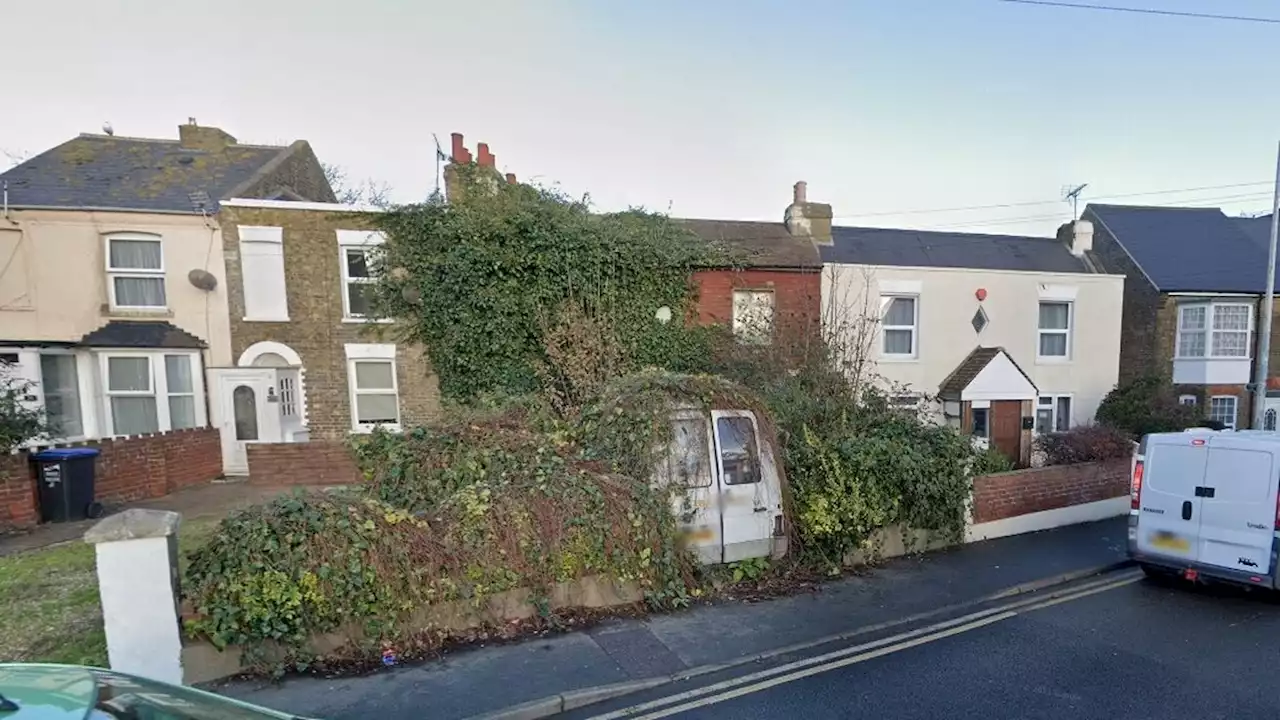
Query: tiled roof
[
  {"x": 141, "y": 334},
  {"x": 1186, "y": 249},
  {"x": 922, "y": 248},
  {"x": 100, "y": 171},
  {"x": 968, "y": 369},
  {"x": 757, "y": 244}
]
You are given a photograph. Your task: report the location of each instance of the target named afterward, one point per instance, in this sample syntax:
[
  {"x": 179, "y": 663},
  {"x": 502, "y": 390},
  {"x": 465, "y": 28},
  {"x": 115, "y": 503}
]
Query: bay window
[
  {"x": 152, "y": 392},
  {"x": 1214, "y": 330}
]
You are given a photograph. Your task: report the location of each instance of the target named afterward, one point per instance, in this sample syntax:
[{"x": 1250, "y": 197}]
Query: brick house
[
  {"x": 297, "y": 278},
  {"x": 1194, "y": 284},
  {"x": 772, "y": 292}
]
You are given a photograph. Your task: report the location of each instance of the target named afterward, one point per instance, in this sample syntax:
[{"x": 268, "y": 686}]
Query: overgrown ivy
[{"x": 478, "y": 281}]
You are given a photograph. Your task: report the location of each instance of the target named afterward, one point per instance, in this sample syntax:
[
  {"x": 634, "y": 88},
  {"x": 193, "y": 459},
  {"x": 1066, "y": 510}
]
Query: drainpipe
[{"x": 1268, "y": 307}]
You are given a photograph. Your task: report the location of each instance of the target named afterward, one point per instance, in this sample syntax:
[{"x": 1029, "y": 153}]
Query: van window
[
  {"x": 739, "y": 456},
  {"x": 1173, "y": 468},
  {"x": 1238, "y": 475},
  {"x": 690, "y": 463}
]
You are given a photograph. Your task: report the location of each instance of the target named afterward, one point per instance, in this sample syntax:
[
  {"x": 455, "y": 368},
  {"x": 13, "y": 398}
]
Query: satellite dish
[
  {"x": 663, "y": 315},
  {"x": 203, "y": 279}
]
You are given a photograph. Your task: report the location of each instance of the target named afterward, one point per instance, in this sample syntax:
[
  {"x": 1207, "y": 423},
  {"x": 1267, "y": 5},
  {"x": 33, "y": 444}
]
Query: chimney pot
[
  {"x": 483, "y": 156},
  {"x": 801, "y": 192},
  {"x": 460, "y": 154}
]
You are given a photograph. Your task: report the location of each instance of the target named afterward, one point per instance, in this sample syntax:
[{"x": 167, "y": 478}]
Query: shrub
[
  {"x": 989, "y": 462},
  {"x": 1146, "y": 405},
  {"x": 1087, "y": 443},
  {"x": 20, "y": 422}
]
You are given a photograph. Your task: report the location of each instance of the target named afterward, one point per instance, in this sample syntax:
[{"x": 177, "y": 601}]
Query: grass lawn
[{"x": 50, "y": 601}]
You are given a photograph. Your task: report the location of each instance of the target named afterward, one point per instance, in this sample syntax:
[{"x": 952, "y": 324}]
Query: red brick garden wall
[
  {"x": 319, "y": 462},
  {"x": 128, "y": 469},
  {"x": 1005, "y": 495}
]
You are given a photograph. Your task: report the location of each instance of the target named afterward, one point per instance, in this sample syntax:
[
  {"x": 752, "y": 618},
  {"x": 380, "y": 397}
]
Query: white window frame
[
  {"x": 886, "y": 299},
  {"x": 1235, "y": 409},
  {"x": 743, "y": 313},
  {"x": 113, "y": 273},
  {"x": 380, "y": 352},
  {"x": 1053, "y": 408},
  {"x": 254, "y": 240},
  {"x": 82, "y": 393},
  {"x": 1208, "y": 331},
  {"x": 159, "y": 377},
  {"x": 1190, "y": 400},
  {"x": 363, "y": 240},
  {"x": 1067, "y": 332}
]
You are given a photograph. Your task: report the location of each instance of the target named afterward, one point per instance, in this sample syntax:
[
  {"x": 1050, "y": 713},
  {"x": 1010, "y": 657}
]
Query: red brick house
[{"x": 772, "y": 293}]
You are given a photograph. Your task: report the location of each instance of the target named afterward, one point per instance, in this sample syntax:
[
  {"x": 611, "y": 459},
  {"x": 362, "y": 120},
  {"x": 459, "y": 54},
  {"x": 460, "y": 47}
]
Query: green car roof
[{"x": 46, "y": 692}]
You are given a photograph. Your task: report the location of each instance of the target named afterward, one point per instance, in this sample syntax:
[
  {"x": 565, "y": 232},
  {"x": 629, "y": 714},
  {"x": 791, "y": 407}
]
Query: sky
[{"x": 890, "y": 109}]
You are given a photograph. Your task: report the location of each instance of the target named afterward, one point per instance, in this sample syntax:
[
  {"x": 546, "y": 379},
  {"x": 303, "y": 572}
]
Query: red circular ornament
[{"x": 981, "y": 294}]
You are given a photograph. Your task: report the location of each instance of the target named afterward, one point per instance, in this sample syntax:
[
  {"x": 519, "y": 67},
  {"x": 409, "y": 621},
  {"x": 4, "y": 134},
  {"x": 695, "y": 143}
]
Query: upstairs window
[
  {"x": 135, "y": 272},
  {"x": 1055, "y": 330},
  {"x": 1214, "y": 331},
  {"x": 899, "y": 320},
  {"x": 358, "y": 257},
  {"x": 262, "y": 273}
]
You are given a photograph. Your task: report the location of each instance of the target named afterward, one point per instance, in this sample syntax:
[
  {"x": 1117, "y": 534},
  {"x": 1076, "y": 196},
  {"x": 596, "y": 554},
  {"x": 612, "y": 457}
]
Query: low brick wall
[
  {"x": 1006, "y": 495},
  {"x": 318, "y": 462},
  {"x": 127, "y": 469}
]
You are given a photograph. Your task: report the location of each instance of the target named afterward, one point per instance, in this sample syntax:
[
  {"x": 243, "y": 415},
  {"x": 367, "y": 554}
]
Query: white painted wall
[
  {"x": 947, "y": 303},
  {"x": 1047, "y": 519}
]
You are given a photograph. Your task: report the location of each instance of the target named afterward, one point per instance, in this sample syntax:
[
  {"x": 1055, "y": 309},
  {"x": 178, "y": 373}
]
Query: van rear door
[
  {"x": 1237, "y": 512},
  {"x": 1169, "y": 511}
]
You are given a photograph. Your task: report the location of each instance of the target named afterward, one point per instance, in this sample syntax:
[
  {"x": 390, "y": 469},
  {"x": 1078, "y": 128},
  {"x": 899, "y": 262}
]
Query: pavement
[
  {"x": 1119, "y": 646},
  {"x": 483, "y": 680},
  {"x": 214, "y": 500}
]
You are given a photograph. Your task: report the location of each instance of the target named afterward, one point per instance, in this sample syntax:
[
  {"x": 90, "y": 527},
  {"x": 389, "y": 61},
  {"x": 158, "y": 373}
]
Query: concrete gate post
[{"x": 137, "y": 559}]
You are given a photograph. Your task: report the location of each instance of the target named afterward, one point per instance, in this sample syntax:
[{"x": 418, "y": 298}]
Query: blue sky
[{"x": 706, "y": 109}]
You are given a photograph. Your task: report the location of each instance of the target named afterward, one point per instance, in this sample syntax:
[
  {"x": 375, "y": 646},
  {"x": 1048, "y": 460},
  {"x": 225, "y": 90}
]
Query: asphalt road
[{"x": 1122, "y": 647}]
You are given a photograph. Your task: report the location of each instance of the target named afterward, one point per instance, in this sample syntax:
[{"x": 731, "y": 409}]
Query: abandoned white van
[
  {"x": 1203, "y": 505},
  {"x": 730, "y": 506}
]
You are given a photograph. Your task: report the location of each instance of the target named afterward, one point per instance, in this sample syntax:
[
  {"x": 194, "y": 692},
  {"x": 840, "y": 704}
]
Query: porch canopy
[{"x": 988, "y": 373}]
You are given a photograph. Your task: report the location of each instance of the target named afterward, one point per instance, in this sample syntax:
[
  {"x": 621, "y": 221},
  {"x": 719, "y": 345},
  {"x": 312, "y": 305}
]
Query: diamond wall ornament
[{"x": 979, "y": 320}]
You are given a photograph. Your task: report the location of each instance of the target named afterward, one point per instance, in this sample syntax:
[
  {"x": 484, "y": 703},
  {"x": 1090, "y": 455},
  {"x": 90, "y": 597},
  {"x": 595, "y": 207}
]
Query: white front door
[
  {"x": 246, "y": 411},
  {"x": 1270, "y": 413}
]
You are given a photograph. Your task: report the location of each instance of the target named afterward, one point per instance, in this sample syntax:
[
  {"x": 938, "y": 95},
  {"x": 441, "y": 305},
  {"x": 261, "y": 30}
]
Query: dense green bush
[
  {"x": 1146, "y": 405},
  {"x": 457, "y": 512},
  {"x": 20, "y": 421}
]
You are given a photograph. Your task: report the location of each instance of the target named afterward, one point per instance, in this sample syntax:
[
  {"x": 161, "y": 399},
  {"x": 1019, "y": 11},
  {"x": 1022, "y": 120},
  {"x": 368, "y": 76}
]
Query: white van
[
  {"x": 726, "y": 491},
  {"x": 1203, "y": 505}
]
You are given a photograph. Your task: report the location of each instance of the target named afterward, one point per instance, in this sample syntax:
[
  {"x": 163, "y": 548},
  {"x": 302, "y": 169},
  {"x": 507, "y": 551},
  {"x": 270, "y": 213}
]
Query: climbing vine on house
[{"x": 480, "y": 280}]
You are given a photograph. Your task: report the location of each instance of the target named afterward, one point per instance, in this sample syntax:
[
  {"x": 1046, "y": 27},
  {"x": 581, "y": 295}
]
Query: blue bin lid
[{"x": 66, "y": 453}]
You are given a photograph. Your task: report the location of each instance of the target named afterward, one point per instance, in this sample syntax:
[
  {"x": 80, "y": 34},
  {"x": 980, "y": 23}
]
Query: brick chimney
[
  {"x": 483, "y": 158},
  {"x": 808, "y": 219},
  {"x": 209, "y": 139}
]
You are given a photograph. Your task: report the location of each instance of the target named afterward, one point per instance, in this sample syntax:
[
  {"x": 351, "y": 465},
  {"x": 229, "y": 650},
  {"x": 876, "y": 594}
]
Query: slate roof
[
  {"x": 141, "y": 334},
  {"x": 101, "y": 171},
  {"x": 922, "y": 248},
  {"x": 968, "y": 369},
  {"x": 1258, "y": 230},
  {"x": 1186, "y": 249},
  {"x": 757, "y": 244}
]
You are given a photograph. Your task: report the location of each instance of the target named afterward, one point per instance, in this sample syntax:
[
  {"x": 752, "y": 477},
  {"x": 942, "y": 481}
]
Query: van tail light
[
  {"x": 1277, "y": 525},
  {"x": 1135, "y": 490}
]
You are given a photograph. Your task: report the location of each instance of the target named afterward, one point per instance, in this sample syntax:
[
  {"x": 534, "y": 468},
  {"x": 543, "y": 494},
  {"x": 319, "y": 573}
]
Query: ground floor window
[
  {"x": 152, "y": 392},
  {"x": 1053, "y": 413},
  {"x": 60, "y": 381},
  {"x": 1222, "y": 408},
  {"x": 981, "y": 421},
  {"x": 1187, "y": 400},
  {"x": 374, "y": 387}
]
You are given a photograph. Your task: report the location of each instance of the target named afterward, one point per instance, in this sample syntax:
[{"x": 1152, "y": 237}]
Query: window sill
[
  {"x": 368, "y": 321},
  {"x": 899, "y": 358},
  {"x": 1053, "y": 360},
  {"x": 136, "y": 312},
  {"x": 368, "y": 429}
]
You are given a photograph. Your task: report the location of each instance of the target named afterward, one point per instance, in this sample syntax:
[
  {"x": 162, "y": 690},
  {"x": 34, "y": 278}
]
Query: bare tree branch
[{"x": 365, "y": 192}]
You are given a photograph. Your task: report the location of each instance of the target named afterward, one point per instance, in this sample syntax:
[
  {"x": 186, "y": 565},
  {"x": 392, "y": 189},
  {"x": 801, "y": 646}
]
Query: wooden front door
[{"x": 1006, "y": 428}]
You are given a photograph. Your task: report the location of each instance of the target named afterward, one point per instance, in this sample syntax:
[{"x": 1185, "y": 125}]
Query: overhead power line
[
  {"x": 1066, "y": 212},
  {"x": 1148, "y": 11},
  {"x": 1055, "y": 201}
]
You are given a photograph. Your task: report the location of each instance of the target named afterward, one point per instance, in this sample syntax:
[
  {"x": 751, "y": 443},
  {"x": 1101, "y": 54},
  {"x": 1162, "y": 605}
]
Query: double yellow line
[{"x": 790, "y": 672}]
